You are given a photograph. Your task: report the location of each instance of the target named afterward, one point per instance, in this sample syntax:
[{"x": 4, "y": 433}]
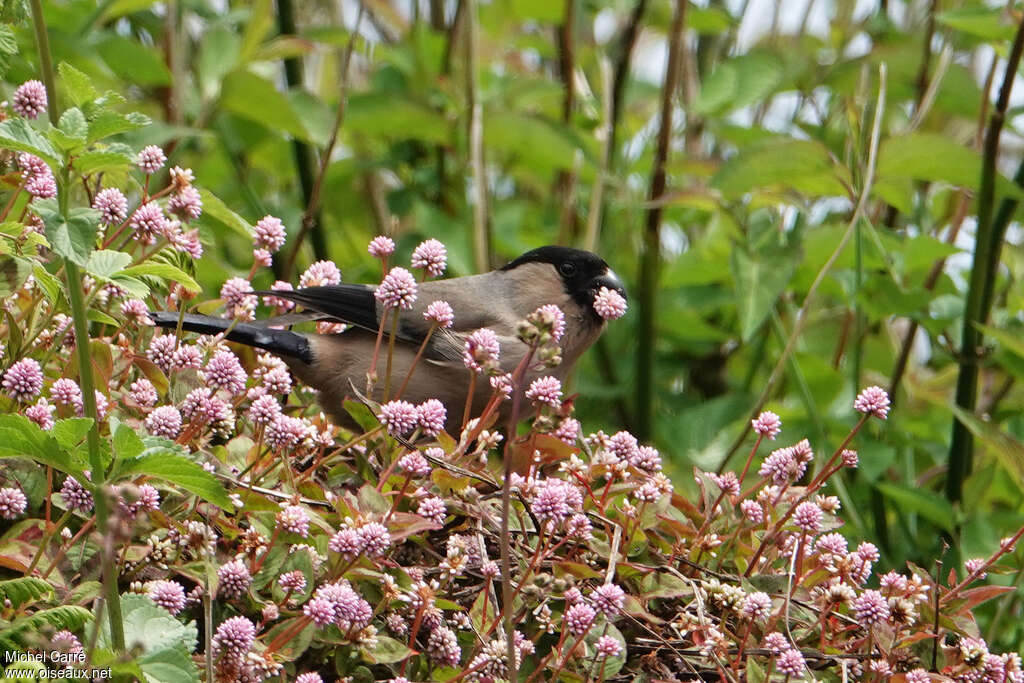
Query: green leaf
[
  {"x": 213, "y": 207},
  {"x": 1008, "y": 340},
  {"x": 170, "y": 665},
  {"x": 739, "y": 82},
  {"x": 127, "y": 443},
  {"x": 934, "y": 508},
  {"x": 150, "y": 627},
  {"x": 73, "y": 237},
  {"x": 17, "y": 134},
  {"x": 70, "y": 617},
  {"x": 393, "y": 116},
  {"x": 78, "y": 86},
  {"x": 72, "y": 123},
  {"x": 102, "y": 162},
  {"x": 107, "y": 123},
  {"x": 1007, "y": 450},
  {"x": 104, "y": 263},
  {"x": 47, "y": 282},
  {"x": 759, "y": 282},
  {"x": 24, "y": 590},
  {"x": 165, "y": 271},
  {"x": 533, "y": 141},
  {"x": 780, "y": 162},
  {"x": 20, "y": 437},
  {"x": 132, "y": 61},
  {"x": 13, "y": 273},
  {"x": 986, "y": 23},
  {"x": 936, "y": 158},
  {"x": 385, "y": 650},
  {"x": 71, "y": 432},
  {"x": 168, "y": 465},
  {"x": 242, "y": 89}
]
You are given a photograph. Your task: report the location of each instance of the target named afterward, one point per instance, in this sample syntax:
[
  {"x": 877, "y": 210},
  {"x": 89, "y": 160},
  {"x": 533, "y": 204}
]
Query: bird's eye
[{"x": 567, "y": 268}]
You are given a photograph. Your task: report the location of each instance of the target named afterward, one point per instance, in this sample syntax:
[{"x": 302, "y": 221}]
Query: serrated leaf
[
  {"x": 170, "y": 665},
  {"x": 150, "y": 627},
  {"x": 69, "y": 617},
  {"x": 107, "y": 123},
  {"x": 71, "y": 432},
  {"x": 78, "y": 86},
  {"x": 13, "y": 273},
  {"x": 47, "y": 282},
  {"x": 8, "y": 41},
  {"x": 168, "y": 466},
  {"x": 17, "y": 134},
  {"x": 72, "y": 122},
  {"x": 127, "y": 443},
  {"x": 102, "y": 162},
  {"x": 73, "y": 237},
  {"x": 165, "y": 271},
  {"x": 20, "y": 437},
  {"x": 24, "y": 590},
  {"x": 759, "y": 282},
  {"x": 213, "y": 207},
  {"x": 241, "y": 89},
  {"x": 104, "y": 263}
]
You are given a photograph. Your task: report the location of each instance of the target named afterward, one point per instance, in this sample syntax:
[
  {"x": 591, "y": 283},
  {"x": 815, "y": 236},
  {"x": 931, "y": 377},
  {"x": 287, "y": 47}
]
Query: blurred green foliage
[{"x": 770, "y": 149}]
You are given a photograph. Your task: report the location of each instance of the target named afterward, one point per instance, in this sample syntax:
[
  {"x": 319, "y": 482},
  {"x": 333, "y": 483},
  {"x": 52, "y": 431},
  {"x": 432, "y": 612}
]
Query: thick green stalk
[
  {"x": 79, "y": 320},
  {"x": 987, "y": 249}
]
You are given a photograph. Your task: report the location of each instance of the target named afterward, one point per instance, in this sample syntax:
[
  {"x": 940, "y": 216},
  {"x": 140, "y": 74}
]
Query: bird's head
[{"x": 581, "y": 273}]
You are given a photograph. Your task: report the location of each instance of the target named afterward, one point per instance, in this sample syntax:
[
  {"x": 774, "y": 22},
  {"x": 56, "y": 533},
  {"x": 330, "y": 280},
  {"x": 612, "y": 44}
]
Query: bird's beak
[{"x": 609, "y": 280}]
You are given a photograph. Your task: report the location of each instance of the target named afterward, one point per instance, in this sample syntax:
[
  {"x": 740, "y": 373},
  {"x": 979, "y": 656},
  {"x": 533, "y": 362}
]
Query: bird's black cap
[{"x": 583, "y": 273}]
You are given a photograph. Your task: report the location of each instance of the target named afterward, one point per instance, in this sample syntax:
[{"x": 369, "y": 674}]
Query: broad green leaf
[
  {"x": 759, "y": 282},
  {"x": 107, "y": 123},
  {"x": 127, "y": 443},
  {"x": 936, "y": 158},
  {"x": 986, "y": 23},
  {"x": 132, "y": 61},
  {"x": 739, "y": 82},
  {"x": 176, "y": 469},
  {"x": 78, "y": 86},
  {"x": 69, "y": 617},
  {"x": 17, "y": 134},
  {"x": 73, "y": 237},
  {"x": 385, "y": 650},
  {"x": 20, "y": 437},
  {"x": 104, "y": 263},
  {"x": 1008, "y": 451},
  {"x": 102, "y": 162},
  {"x": 47, "y": 282},
  {"x": 169, "y": 665},
  {"x": 393, "y": 116},
  {"x": 218, "y": 56},
  {"x": 709, "y": 20},
  {"x": 13, "y": 273},
  {"x": 1010, "y": 341},
  {"x": 801, "y": 165},
  {"x": 71, "y": 432},
  {"x": 241, "y": 91},
  {"x": 165, "y": 271},
  {"x": 72, "y": 123},
  {"x": 259, "y": 24},
  {"x": 120, "y": 8},
  {"x": 535, "y": 142},
  {"x": 24, "y": 590},
  {"x": 213, "y": 207},
  {"x": 150, "y": 627},
  {"x": 717, "y": 90},
  {"x": 935, "y": 509}
]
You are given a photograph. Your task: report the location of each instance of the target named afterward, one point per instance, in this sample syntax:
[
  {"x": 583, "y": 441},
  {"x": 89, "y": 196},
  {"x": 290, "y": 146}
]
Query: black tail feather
[{"x": 280, "y": 342}]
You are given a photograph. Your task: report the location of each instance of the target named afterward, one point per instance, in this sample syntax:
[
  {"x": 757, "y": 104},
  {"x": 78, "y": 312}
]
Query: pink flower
[
  {"x": 871, "y": 608},
  {"x": 609, "y": 304},
  {"x": 264, "y": 410},
  {"x": 23, "y": 381},
  {"x": 790, "y": 663},
  {"x": 432, "y": 415},
  {"x": 375, "y": 538},
  {"x": 292, "y": 581},
  {"x": 151, "y": 159},
  {"x": 440, "y": 313},
  {"x": 168, "y": 594},
  {"x": 224, "y": 371},
  {"x": 551, "y": 320},
  {"x": 756, "y": 606},
  {"x": 233, "y": 579},
  {"x": 608, "y": 599},
  {"x": 164, "y": 421},
  {"x": 873, "y": 400},
  {"x": 398, "y": 290},
  {"x": 181, "y": 178},
  {"x": 432, "y": 256},
  {"x": 624, "y": 445},
  {"x": 285, "y": 433},
  {"x": 568, "y": 431},
  {"x": 41, "y": 412},
  {"x": 443, "y": 647},
  {"x": 481, "y": 350},
  {"x": 310, "y": 677},
  {"x": 29, "y": 99},
  {"x": 546, "y": 390},
  {"x": 239, "y": 301},
  {"x": 269, "y": 233},
  {"x": 399, "y": 417},
  {"x": 807, "y": 517},
  {"x": 282, "y": 305},
  {"x": 918, "y": 675},
  {"x": 233, "y": 638},
  {"x": 579, "y": 617},
  {"x": 320, "y": 273},
  {"x": 42, "y": 186},
  {"x": 381, "y": 247},
  {"x": 147, "y": 222},
  {"x": 262, "y": 257},
  {"x": 850, "y": 458},
  {"x": 767, "y": 424},
  {"x": 136, "y": 309},
  {"x": 112, "y": 205},
  {"x": 186, "y": 204},
  {"x": 434, "y": 509},
  {"x": 415, "y": 464},
  {"x": 75, "y": 496},
  {"x": 294, "y": 519},
  {"x": 607, "y": 646},
  {"x": 12, "y": 502},
  {"x": 66, "y": 392}
]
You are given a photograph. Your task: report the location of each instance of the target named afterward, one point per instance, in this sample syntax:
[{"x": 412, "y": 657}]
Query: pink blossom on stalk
[
  {"x": 24, "y": 380},
  {"x": 432, "y": 256},
  {"x": 850, "y": 458},
  {"x": 29, "y": 99},
  {"x": 579, "y": 618},
  {"x": 181, "y": 178},
  {"x": 187, "y": 356},
  {"x": 918, "y": 675},
  {"x": 607, "y": 646},
  {"x": 65, "y": 392},
  {"x": 399, "y": 417},
  {"x": 320, "y": 273},
  {"x": 440, "y": 313},
  {"x": 873, "y": 400},
  {"x": 31, "y": 165},
  {"x": 12, "y": 502},
  {"x": 346, "y": 542},
  {"x": 398, "y": 289},
  {"x": 292, "y": 581},
  {"x": 285, "y": 433},
  {"x": 294, "y": 519},
  {"x": 432, "y": 415},
  {"x": 75, "y": 496},
  {"x": 262, "y": 257},
  {"x": 434, "y": 509},
  {"x": 546, "y": 390},
  {"x": 871, "y": 608},
  {"x": 568, "y": 431},
  {"x": 623, "y": 445},
  {"x": 481, "y": 350},
  {"x": 609, "y": 304},
  {"x": 42, "y": 186},
  {"x": 264, "y": 410},
  {"x": 41, "y": 412},
  {"x": 807, "y": 517},
  {"x": 443, "y": 647},
  {"x": 375, "y": 537},
  {"x": 551, "y": 319},
  {"x": 381, "y": 247},
  {"x": 239, "y": 301},
  {"x": 151, "y": 159},
  {"x": 269, "y": 233},
  {"x": 767, "y": 424},
  {"x": 790, "y": 663},
  {"x": 224, "y": 371},
  {"x": 311, "y": 677},
  {"x": 168, "y": 594},
  {"x": 756, "y": 606},
  {"x": 233, "y": 579},
  {"x": 143, "y": 393},
  {"x": 186, "y": 204},
  {"x": 233, "y": 639},
  {"x": 147, "y": 222},
  {"x": 415, "y": 464},
  {"x": 112, "y": 205},
  {"x": 136, "y": 310},
  {"x": 282, "y": 305},
  {"x": 164, "y": 421},
  {"x": 608, "y": 599},
  {"x": 973, "y": 565}
]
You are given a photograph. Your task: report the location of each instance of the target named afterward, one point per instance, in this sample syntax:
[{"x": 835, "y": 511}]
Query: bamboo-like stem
[
  {"x": 597, "y": 193},
  {"x": 481, "y": 232},
  {"x": 650, "y": 254},
  {"x": 987, "y": 249}
]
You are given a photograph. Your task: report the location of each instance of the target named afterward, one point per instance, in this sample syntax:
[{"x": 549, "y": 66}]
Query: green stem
[
  {"x": 987, "y": 248},
  {"x": 45, "y": 59}
]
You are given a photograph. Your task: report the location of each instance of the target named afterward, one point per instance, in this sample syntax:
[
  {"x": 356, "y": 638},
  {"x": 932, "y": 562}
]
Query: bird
[{"x": 336, "y": 364}]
